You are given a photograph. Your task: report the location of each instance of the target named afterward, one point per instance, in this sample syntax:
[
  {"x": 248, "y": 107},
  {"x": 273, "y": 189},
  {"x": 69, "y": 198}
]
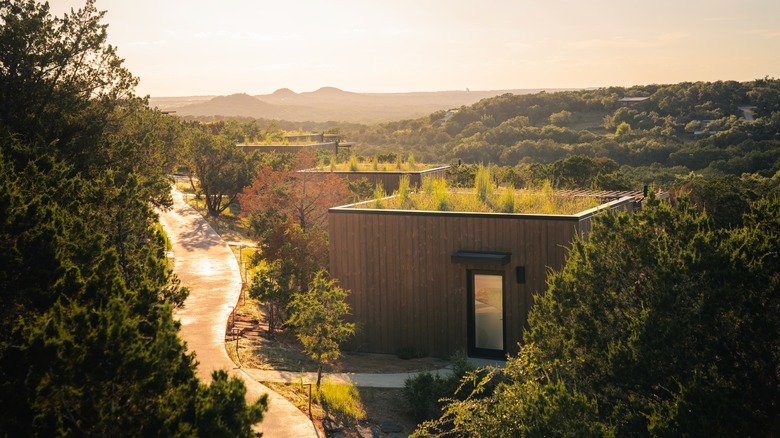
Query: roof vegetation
[{"x": 434, "y": 195}]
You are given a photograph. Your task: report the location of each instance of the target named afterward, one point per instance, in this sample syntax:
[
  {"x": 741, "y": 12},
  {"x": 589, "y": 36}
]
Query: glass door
[{"x": 486, "y": 314}]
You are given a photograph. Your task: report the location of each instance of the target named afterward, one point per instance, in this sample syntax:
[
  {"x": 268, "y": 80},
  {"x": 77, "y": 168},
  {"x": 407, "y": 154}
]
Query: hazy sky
[{"x": 207, "y": 47}]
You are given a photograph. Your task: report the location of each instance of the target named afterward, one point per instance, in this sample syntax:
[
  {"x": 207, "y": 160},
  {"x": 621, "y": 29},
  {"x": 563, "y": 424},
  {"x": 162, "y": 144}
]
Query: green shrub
[
  {"x": 424, "y": 391},
  {"x": 407, "y": 353},
  {"x": 420, "y": 392}
]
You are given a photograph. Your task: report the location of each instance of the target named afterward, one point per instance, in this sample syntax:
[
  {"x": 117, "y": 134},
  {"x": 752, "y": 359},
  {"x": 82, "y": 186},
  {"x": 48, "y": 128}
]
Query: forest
[
  {"x": 88, "y": 342},
  {"x": 662, "y": 323}
]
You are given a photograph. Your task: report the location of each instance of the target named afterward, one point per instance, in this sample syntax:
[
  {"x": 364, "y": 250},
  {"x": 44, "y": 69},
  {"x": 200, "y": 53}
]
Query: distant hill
[{"x": 327, "y": 104}]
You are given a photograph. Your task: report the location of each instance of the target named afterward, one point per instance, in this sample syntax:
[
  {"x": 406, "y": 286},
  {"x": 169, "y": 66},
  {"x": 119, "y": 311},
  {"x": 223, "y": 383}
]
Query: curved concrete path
[{"x": 206, "y": 265}]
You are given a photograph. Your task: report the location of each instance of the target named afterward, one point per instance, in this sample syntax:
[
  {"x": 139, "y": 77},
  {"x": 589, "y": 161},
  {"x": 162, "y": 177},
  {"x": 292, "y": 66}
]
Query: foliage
[
  {"x": 561, "y": 118},
  {"x": 622, "y": 129},
  {"x": 379, "y": 195},
  {"x": 658, "y": 324},
  {"x": 524, "y": 399},
  {"x": 404, "y": 189},
  {"x": 425, "y": 392},
  {"x": 483, "y": 183},
  {"x": 287, "y": 212},
  {"x": 221, "y": 168},
  {"x": 541, "y": 128},
  {"x": 506, "y": 203},
  {"x": 317, "y": 315},
  {"x": 543, "y": 200},
  {"x": 441, "y": 196},
  {"x": 88, "y": 342},
  {"x": 341, "y": 400},
  {"x": 353, "y": 163},
  {"x": 272, "y": 284}
]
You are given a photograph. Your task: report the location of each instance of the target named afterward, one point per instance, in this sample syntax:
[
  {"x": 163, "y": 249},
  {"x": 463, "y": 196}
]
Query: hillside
[{"x": 327, "y": 104}]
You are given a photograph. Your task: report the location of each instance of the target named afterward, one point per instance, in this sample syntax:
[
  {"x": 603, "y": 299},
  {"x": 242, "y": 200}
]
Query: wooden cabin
[
  {"x": 442, "y": 282},
  {"x": 390, "y": 178}
]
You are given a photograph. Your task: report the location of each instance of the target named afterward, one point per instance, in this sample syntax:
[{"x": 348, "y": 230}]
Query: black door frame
[{"x": 473, "y": 351}]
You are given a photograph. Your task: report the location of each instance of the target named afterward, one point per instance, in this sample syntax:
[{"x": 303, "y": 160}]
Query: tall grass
[
  {"x": 379, "y": 195},
  {"x": 441, "y": 196},
  {"x": 411, "y": 163},
  {"x": 404, "y": 189},
  {"x": 506, "y": 203},
  {"x": 434, "y": 195},
  {"x": 483, "y": 183},
  {"x": 341, "y": 400},
  {"x": 353, "y": 163},
  {"x": 427, "y": 185}
]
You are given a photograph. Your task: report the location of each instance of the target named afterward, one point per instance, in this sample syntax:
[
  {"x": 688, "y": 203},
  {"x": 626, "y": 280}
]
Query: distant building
[
  {"x": 631, "y": 101},
  {"x": 448, "y": 115},
  {"x": 704, "y": 129},
  {"x": 297, "y": 142},
  {"x": 748, "y": 111}
]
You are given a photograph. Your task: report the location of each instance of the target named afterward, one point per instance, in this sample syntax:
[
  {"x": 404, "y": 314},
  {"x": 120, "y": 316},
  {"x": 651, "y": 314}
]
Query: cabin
[
  {"x": 293, "y": 148},
  {"x": 440, "y": 282},
  {"x": 293, "y": 143},
  {"x": 390, "y": 179},
  {"x": 631, "y": 101}
]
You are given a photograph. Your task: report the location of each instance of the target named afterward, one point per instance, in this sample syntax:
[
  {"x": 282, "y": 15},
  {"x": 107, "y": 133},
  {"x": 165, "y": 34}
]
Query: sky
[{"x": 221, "y": 47}]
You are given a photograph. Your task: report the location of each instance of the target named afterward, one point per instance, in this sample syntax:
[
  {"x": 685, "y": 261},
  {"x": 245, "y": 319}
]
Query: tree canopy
[
  {"x": 88, "y": 342},
  {"x": 659, "y": 324}
]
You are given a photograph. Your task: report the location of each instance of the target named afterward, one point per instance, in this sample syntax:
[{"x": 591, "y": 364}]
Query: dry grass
[
  {"x": 379, "y": 404},
  {"x": 435, "y": 196}
]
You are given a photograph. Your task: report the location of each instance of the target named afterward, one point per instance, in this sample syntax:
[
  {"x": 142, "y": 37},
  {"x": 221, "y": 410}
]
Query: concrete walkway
[
  {"x": 372, "y": 380},
  {"x": 206, "y": 265}
]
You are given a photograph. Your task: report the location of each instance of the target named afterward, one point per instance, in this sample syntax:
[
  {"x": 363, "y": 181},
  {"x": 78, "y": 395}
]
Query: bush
[
  {"x": 407, "y": 353},
  {"x": 425, "y": 391}
]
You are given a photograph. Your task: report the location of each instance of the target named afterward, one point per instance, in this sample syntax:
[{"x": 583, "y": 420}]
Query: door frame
[{"x": 473, "y": 351}]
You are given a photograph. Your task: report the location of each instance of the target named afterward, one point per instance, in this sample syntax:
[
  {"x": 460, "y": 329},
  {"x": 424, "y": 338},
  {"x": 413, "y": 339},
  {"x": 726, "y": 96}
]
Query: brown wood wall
[{"x": 405, "y": 291}]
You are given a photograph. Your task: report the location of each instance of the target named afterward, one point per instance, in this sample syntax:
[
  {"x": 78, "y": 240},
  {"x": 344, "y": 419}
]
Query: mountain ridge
[{"x": 329, "y": 104}]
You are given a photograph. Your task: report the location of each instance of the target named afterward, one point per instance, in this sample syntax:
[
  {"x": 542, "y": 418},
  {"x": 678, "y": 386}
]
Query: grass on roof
[{"x": 434, "y": 195}]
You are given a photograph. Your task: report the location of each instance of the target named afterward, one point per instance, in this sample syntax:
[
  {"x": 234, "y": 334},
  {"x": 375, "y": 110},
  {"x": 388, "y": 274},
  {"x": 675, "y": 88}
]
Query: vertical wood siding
[{"x": 406, "y": 292}]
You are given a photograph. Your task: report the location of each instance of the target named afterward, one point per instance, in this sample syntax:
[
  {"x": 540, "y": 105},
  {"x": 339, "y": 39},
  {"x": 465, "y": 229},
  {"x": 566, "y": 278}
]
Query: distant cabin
[
  {"x": 631, "y": 101},
  {"x": 297, "y": 142},
  {"x": 748, "y": 111}
]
